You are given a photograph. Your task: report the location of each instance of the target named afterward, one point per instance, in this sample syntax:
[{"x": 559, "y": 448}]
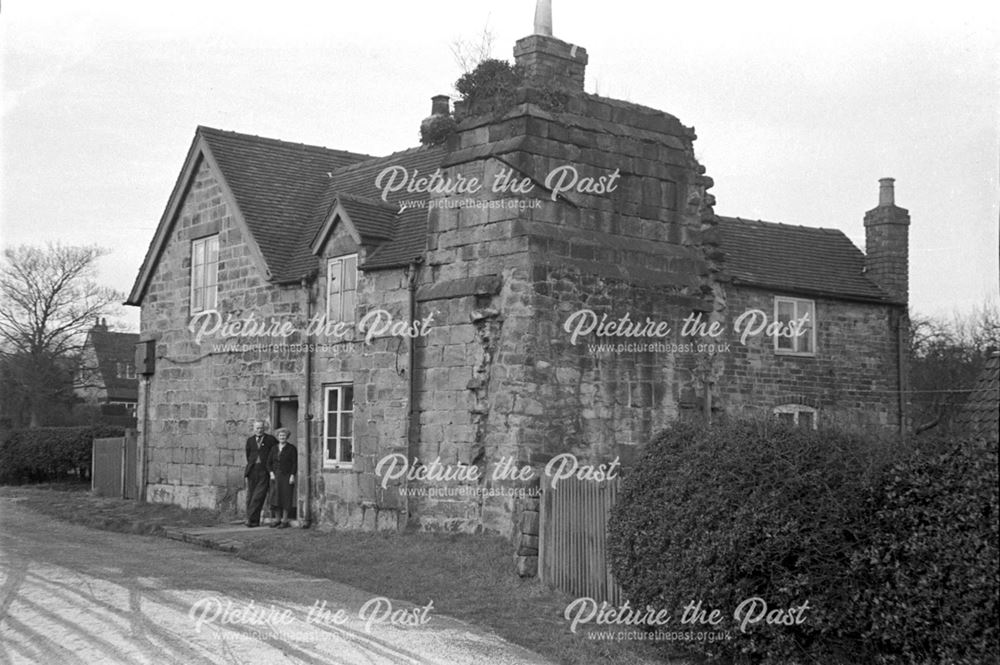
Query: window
[
  {"x": 125, "y": 370},
  {"x": 797, "y": 415},
  {"x": 204, "y": 274},
  {"x": 342, "y": 289},
  {"x": 338, "y": 427},
  {"x": 796, "y": 334},
  {"x": 130, "y": 407}
]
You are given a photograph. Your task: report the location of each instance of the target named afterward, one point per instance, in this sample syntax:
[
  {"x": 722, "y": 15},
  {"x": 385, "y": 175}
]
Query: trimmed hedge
[
  {"x": 888, "y": 556},
  {"x": 49, "y": 453},
  {"x": 928, "y": 577}
]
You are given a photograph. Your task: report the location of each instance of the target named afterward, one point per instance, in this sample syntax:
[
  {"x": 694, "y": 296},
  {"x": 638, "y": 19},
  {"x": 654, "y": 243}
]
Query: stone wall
[
  {"x": 852, "y": 380},
  {"x": 202, "y": 399},
  {"x": 499, "y": 378}
]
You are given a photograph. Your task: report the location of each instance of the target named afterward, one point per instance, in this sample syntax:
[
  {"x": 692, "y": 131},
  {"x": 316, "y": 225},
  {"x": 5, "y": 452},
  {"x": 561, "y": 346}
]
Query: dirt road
[{"x": 79, "y": 596}]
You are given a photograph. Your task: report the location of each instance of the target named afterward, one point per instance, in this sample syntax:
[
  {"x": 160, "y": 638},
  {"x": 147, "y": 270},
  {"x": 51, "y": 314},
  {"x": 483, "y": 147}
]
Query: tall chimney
[
  {"x": 548, "y": 61},
  {"x": 887, "y": 244}
]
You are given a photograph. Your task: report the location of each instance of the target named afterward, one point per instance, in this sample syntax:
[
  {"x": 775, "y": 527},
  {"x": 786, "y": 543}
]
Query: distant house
[
  {"x": 512, "y": 294},
  {"x": 107, "y": 377},
  {"x": 979, "y": 416}
]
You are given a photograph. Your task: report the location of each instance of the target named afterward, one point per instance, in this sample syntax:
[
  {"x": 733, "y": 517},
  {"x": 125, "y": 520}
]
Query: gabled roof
[
  {"x": 112, "y": 348},
  {"x": 797, "y": 259},
  {"x": 285, "y": 193},
  {"x": 979, "y": 415},
  {"x": 276, "y": 185},
  {"x": 356, "y": 185}
]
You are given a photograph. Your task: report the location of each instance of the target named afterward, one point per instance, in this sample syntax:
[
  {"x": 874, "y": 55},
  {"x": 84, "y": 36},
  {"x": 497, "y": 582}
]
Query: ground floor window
[
  {"x": 797, "y": 415},
  {"x": 130, "y": 407},
  {"x": 338, "y": 426}
]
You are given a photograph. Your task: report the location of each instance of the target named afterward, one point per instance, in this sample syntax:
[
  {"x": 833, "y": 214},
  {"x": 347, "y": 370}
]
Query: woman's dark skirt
[{"x": 285, "y": 496}]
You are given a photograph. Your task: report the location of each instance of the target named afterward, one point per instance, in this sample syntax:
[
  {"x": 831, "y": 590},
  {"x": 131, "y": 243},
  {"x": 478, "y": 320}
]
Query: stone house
[
  {"x": 107, "y": 376},
  {"x": 514, "y": 293}
]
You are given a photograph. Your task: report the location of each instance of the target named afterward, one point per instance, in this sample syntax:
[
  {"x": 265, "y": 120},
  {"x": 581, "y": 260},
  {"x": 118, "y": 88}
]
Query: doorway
[{"x": 285, "y": 413}]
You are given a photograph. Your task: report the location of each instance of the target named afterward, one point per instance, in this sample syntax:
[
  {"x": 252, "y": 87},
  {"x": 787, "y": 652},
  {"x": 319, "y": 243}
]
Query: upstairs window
[
  {"x": 125, "y": 370},
  {"x": 342, "y": 289},
  {"x": 338, "y": 427},
  {"x": 204, "y": 274},
  {"x": 797, "y": 415},
  {"x": 796, "y": 334}
]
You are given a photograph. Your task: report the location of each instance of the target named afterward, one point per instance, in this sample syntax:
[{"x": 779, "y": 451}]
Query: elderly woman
[{"x": 283, "y": 464}]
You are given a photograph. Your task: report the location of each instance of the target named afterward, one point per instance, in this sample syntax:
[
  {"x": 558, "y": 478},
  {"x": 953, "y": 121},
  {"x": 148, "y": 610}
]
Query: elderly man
[{"x": 258, "y": 447}]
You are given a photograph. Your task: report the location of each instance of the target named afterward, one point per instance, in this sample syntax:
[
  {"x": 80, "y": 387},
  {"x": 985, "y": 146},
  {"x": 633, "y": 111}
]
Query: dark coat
[
  {"x": 261, "y": 453},
  {"x": 284, "y": 465}
]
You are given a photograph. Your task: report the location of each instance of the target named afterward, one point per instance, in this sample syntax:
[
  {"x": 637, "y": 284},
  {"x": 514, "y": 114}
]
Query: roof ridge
[
  {"x": 782, "y": 224},
  {"x": 347, "y": 168},
  {"x": 281, "y": 142}
]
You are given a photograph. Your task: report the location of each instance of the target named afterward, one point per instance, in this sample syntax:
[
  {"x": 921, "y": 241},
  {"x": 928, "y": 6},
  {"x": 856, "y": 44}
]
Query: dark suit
[
  {"x": 256, "y": 473},
  {"x": 284, "y": 463}
]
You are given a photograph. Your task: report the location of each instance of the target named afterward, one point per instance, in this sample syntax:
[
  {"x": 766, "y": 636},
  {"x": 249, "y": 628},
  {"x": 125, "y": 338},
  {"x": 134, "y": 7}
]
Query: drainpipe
[
  {"x": 143, "y": 475},
  {"x": 306, "y": 520},
  {"x": 900, "y": 369},
  {"x": 413, "y": 415}
]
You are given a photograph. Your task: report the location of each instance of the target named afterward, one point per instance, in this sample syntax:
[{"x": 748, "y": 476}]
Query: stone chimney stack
[
  {"x": 440, "y": 105},
  {"x": 887, "y": 230},
  {"x": 547, "y": 60}
]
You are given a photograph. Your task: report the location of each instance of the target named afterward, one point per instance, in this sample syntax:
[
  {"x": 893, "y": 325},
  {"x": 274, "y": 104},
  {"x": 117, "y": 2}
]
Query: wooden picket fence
[{"x": 573, "y": 552}]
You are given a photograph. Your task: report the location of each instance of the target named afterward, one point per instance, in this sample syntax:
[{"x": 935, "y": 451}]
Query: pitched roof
[
  {"x": 797, "y": 259},
  {"x": 276, "y": 185},
  {"x": 979, "y": 415},
  {"x": 355, "y": 186},
  {"x": 112, "y": 348}
]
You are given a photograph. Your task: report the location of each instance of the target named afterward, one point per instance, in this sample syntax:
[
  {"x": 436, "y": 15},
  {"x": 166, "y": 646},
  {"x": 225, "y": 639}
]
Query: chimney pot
[
  {"x": 440, "y": 105},
  {"x": 886, "y": 192}
]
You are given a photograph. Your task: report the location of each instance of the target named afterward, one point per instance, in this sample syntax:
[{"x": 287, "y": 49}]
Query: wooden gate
[
  {"x": 573, "y": 553},
  {"x": 114, "y": 467}
]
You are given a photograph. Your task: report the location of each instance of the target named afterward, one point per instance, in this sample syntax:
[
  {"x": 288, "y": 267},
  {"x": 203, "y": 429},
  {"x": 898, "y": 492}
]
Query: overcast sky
[{"x": 800, "y": 107}]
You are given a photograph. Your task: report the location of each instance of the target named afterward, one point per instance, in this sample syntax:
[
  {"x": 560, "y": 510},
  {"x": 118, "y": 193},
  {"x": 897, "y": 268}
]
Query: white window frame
[
  {"x": 204, "y": 274},
  {"x": 342, "y": 303},
  {"x": 336, "y": 460},
  {"x": 795, "y": 410},
  {"x": 125, "y": 370},
  {"x": 800, "y": 306}
]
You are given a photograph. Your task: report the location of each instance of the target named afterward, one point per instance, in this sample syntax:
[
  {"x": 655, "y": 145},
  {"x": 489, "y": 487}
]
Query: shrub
[
  {"x": 928, "y": 576},
  {"x": 899, "y": 561},
  {"x": 491, "y": 84},
  {"x": 436, "y": 129},
  {"x": 746, "y": 510},
  {"x": 48, "y": 453}
]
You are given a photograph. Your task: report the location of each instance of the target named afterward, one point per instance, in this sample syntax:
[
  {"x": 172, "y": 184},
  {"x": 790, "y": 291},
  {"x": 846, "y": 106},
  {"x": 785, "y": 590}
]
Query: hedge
[
  {"x": 49, "y": 453},
  {"x": 928, "y": 577},
  {"x": 887, "y": 552}
]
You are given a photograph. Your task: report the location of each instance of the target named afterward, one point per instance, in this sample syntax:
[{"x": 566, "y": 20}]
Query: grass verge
[{"x": 467, "y": 577}]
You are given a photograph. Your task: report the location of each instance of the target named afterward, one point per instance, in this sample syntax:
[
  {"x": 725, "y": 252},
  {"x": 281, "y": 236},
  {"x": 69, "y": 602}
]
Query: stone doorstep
[{"x": 224, "y": 538}]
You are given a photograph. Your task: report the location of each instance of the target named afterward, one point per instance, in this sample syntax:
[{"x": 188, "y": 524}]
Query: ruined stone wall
[
  {"x": 203, "y": 398},
  {"x": 852, "y": 380},
  {"x": 499, "y": 377}
]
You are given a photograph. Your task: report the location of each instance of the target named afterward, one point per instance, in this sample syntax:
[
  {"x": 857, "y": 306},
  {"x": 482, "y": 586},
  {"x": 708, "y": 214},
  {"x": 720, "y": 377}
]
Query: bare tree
[
  {"x": 48, "y": 300},
  {"x": 946, "y": 356},
  {"x": 469, "y": 53}
]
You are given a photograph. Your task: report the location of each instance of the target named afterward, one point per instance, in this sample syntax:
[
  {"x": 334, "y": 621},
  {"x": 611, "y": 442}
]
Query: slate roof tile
[{"x": 797, "y": 259}]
